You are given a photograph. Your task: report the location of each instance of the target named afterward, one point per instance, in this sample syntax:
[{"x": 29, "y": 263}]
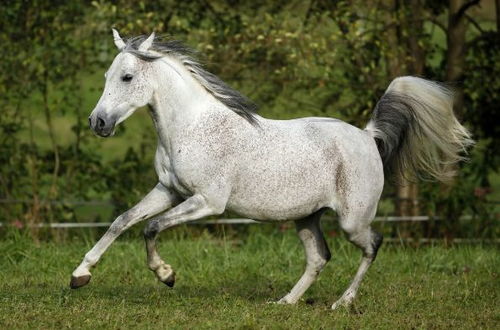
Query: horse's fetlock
[{"x": 90, "y": 260}]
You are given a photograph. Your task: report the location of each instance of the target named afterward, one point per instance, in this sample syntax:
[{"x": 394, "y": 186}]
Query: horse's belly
[
  {"x": 266, "y": 200},
  {"x": 268, "y": 209}
]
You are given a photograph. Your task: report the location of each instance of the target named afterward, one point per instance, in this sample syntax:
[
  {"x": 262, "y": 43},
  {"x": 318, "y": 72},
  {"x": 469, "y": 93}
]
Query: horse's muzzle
[{"x": 102, "y": 125}]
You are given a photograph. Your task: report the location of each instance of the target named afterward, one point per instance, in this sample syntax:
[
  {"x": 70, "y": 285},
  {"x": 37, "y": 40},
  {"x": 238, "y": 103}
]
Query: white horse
[{"x": 214, "y": 153}]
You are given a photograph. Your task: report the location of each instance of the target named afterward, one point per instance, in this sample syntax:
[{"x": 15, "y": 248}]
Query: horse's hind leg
[
  {"x": 317, "y": 255},
  {"x": 356, "y": 225}
]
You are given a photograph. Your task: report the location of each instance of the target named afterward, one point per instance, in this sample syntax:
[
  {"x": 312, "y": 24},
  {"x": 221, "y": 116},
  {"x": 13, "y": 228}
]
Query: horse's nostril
[
  {"x": 90, "y": 122},
  {"x": 100, "y": 122}
]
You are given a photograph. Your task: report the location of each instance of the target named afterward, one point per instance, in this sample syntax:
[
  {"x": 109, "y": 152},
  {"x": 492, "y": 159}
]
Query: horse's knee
[
  {"x": 118, "y": 225},
  {"x": 151, "y": 229}
]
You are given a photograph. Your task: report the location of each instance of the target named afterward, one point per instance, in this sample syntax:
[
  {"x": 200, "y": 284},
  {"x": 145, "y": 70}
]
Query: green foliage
[
  {"x": 482, "y": 97},
  {"x": 299, "y": 58}
]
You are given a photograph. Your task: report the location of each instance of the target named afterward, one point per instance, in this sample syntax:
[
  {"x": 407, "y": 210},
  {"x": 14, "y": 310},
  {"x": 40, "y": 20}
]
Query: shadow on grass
[{"x": 261, "y": 291}]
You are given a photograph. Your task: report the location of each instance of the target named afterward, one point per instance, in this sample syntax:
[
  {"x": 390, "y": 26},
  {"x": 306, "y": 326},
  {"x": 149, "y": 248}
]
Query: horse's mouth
[{"x": 106, "y": 133}]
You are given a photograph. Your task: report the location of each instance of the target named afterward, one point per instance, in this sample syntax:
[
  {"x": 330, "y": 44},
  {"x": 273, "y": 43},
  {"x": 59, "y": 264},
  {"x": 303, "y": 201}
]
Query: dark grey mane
[{"x": 231, "y": 98}]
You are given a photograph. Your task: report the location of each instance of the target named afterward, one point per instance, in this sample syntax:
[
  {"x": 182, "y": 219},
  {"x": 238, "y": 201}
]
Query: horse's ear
[
  {"x": 118, "y": 40},
  {"x": 146, "y": 44}
]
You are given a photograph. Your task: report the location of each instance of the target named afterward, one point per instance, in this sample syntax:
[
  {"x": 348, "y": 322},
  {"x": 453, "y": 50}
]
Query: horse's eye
[{"x": 127, "y": 77}]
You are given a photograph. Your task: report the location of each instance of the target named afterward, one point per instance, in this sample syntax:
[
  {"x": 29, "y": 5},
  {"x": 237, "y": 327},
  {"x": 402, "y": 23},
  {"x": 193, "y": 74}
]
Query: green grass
[{"x": 226, "y": 283}]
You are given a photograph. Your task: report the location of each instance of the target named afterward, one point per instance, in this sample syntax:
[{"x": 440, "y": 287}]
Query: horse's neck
[{"x": 179, "y": 101}]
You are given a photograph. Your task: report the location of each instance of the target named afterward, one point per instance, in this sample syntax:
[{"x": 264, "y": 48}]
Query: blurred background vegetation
[{"x": 293, "y": 58}]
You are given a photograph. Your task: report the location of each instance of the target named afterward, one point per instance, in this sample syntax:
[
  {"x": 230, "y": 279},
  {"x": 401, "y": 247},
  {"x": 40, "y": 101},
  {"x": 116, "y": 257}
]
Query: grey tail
[{"x": 416, "y": 131}]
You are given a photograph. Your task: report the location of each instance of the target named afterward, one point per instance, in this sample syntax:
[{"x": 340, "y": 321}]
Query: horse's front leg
[
  {"x": 193, "y": 208},
  {"x": 158, "y": 200}
]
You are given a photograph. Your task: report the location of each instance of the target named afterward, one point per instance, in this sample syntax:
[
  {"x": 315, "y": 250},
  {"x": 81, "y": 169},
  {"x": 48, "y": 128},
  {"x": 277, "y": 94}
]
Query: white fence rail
[{"x": 233, "y": 221}]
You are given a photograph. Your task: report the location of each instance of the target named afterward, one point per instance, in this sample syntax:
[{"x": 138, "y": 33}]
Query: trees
[{"x": 298, "y": 58}]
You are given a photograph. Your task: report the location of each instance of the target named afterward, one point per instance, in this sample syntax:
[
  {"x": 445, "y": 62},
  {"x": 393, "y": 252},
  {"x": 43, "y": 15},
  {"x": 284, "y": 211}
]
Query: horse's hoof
[
  {"x": 78, "y": 282},
  {"x": 165, "y": 274},
  {"x": 170, "y": 281}
]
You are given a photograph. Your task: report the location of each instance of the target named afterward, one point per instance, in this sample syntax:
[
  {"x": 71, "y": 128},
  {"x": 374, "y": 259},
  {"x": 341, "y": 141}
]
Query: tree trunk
[
  {"x": 417, "y": 52},
  {"x": 497, "y": 7},
  {"x": 416, "y": 67},
  {"x": 406, "y": 56},
  {"x": 455, "y": 66},
  {"x": 456, "y": 51},
  {"x": 455, "y": 54}
]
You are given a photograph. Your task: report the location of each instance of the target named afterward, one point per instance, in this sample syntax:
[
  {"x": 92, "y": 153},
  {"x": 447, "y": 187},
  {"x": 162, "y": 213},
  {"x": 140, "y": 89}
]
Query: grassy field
[{"x": 225, "y": 281}]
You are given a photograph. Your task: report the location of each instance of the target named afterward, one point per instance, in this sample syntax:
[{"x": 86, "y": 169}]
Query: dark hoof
[
  {"x": 170, "y": 281},
  {"x": 78, "y": 282}
]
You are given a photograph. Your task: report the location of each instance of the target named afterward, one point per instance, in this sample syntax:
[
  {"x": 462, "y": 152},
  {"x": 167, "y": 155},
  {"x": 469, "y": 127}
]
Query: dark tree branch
[
  {"x": 476, "y": 24},
  {"x": 167, "y": 19},
  {"x": 471, "y": 43},
  {"x": 378, "y": 29},
  {"x": 208, "y": 6},
  {"x": 461, "y": 12},
  {"x": 310, "y": 11},
  {"x": 437, "y": 23}
]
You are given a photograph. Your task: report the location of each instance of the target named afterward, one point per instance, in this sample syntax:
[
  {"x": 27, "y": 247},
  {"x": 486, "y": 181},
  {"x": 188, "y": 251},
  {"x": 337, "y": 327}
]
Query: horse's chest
[{"x": 165, "y": 168}]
